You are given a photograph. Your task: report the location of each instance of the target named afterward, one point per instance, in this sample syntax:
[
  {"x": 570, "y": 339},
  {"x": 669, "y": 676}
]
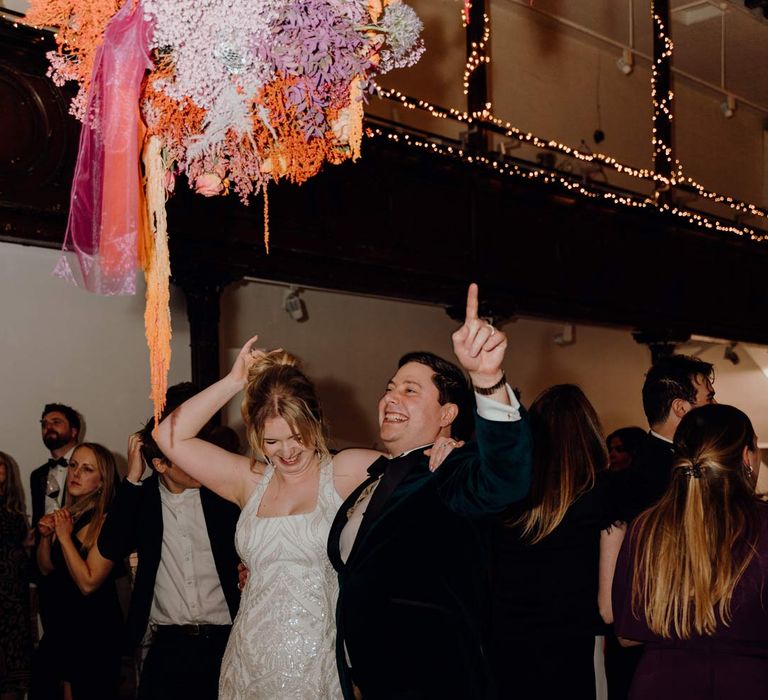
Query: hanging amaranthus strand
[
  {"x": 234, "y": 94},
  {"x": 157, "y": 315}
]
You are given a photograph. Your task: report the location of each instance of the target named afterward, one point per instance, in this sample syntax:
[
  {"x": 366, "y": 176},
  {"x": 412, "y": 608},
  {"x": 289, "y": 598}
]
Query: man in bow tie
[
  {"x": 409, "y": 543},
  {"x": 60, "y": 429}
]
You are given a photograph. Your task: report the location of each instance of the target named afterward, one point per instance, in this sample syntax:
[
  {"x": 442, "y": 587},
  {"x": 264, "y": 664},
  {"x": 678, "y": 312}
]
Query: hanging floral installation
[{"x": 232, "y": 94}]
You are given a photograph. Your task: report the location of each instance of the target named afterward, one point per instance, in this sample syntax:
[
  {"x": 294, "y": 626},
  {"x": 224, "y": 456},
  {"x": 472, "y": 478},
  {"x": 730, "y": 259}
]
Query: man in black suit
[
  {"x": 673, "y": 386},
  {"x": 410, "y": 546},
  {"x": 186, "y": 587},
  {"x": 60, "y": 428}
]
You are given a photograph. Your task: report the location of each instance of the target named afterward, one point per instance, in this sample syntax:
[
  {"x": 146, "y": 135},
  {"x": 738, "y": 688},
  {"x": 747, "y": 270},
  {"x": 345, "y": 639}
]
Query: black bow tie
[
  {"x": 57, "y": 462},
  {"x": 379, "y": 466}
]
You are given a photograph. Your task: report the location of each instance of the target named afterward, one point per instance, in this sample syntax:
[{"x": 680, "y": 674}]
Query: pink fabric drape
[{"x": 105, "y": 215}]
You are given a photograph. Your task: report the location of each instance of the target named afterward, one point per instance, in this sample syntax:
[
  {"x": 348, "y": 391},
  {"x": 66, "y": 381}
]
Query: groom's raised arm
[{"x": 494, "y": 471}]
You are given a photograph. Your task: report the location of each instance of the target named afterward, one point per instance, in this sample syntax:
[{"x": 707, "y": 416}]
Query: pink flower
[
  {"x": 209, "y": 185},
  {"x": 169, "y": 181}
]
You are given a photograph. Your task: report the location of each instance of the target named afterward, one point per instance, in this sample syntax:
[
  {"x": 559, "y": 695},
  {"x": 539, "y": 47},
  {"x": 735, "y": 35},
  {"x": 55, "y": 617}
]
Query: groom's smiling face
[{"x": 410, "y": 414}]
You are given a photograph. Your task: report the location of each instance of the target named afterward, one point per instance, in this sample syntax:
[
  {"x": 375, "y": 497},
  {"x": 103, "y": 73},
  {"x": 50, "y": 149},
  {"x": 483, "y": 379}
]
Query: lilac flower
[{"x": 317, "y": 42}]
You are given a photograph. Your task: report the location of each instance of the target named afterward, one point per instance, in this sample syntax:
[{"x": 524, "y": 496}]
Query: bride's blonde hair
[{"x": 277, "y": 388}]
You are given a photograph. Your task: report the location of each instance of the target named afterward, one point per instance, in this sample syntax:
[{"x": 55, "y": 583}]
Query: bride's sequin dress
[{"x": 282, "y": 645}]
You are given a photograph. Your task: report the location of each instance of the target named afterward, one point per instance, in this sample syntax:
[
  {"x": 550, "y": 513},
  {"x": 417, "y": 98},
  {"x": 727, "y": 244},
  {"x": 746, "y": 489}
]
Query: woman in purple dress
[{"x": 690, "y": 583}]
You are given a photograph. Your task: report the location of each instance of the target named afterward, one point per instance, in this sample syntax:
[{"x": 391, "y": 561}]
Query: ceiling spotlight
[
  {"x": 730, "y": 354},
  {"x": 728, "y": 108},
  {"x": 626, "y": 64}
]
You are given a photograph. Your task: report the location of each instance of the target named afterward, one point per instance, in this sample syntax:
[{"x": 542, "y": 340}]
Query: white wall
[
  {"x": 63, "y": 344},
  {"x": 350, "y": 346}
]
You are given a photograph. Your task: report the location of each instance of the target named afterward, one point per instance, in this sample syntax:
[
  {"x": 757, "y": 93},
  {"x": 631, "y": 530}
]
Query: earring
[{"x": 749, "y": 469}]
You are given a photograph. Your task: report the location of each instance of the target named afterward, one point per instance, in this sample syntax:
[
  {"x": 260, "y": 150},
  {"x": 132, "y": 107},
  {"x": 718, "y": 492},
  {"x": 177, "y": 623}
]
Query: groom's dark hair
[
  {"x": 452, "y": 387},
  {"x": 174, "y": 397}
]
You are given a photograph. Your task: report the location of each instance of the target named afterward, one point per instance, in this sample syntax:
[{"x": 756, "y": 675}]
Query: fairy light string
[
  {"x": 478, "y": 55},
  {"x": 548, "y": 177},
  {"x": 662, "y": 150},
  {"x": 662, "y": 106}
]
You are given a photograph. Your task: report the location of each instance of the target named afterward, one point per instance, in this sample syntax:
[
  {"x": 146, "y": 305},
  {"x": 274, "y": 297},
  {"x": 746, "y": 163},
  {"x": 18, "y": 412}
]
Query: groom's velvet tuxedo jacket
[
  {"x": 413, "y": 594},
  {"x": 135, "y": 522}
]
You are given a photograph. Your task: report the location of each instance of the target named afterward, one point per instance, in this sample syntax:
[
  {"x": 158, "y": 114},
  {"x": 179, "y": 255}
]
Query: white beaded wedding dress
[{"x": 282, "y": 645}]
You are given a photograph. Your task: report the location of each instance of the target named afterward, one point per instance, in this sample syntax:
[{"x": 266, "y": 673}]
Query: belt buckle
[{"x": 195, "y": 630}]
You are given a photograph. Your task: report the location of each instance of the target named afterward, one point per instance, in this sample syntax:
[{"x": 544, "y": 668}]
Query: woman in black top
[
  {"x": 550, "y": 555},
  {"x": 80, "y": 648}
]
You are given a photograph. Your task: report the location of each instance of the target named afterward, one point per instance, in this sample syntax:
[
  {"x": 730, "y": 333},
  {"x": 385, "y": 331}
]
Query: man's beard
[{"x": 53, "y": 441}]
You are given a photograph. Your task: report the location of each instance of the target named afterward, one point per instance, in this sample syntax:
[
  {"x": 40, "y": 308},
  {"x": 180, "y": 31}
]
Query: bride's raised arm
[{"x": 225, "y": 473}]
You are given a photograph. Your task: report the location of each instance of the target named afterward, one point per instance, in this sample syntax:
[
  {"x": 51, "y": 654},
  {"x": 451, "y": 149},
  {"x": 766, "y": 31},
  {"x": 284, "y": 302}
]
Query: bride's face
[{"x": 284, "y": 447}]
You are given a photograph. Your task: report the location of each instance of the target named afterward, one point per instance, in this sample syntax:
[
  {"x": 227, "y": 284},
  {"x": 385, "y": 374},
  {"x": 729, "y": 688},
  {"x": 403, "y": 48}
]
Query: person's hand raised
[
  {"x": 245, "y": 359},
  {"x": 479, "y": 347},
  {"x": 135, "y": 461}
]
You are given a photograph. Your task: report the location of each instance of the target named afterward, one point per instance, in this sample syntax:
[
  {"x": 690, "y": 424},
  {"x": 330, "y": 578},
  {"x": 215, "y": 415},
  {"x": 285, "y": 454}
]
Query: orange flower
[{"x": 374, "y": 9}]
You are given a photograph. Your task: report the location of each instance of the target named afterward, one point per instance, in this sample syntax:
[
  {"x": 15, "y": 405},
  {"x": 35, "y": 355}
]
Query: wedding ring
[{"x": 490, "y": 325}]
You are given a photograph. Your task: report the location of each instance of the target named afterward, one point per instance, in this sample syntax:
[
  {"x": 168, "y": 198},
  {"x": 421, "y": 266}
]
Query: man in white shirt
[{"x": 185, "y": 589}]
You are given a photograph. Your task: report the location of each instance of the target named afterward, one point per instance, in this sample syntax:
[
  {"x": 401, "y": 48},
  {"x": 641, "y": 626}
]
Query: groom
[{"x": 409, "y": 544}]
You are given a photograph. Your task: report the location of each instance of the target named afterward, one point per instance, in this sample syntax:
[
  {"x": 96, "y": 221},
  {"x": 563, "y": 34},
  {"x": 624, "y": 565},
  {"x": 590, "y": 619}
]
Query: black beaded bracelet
[{"x": 487, "y": 391}]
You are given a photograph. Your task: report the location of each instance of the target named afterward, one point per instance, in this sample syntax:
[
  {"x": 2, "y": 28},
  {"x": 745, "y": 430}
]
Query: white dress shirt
[
  {"x": 58, "y": 473},
  {"x": 486, "y": 408},
  {"x": 661, "y": 437},
  {"x": 187, "y": 586}
]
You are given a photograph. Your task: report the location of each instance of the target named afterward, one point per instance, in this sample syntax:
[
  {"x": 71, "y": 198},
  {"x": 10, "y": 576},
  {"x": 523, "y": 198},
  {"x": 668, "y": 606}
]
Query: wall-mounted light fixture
[
  {"x": 730, "y": 354},
  {"x": 626, "y": 64},
  {"x": 294, "y": 305},
  {"x": 728, "y": 108}
]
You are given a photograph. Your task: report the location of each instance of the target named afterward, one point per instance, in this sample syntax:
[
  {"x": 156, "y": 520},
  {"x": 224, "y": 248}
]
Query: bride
[{"x": 282, "y": 644}]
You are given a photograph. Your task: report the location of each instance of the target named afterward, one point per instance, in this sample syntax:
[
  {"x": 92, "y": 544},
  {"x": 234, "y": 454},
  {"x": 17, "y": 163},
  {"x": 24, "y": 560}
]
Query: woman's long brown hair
[
  {"x": 12, "y": 492},
  {"x": 568, "y": 451},
  {"x": 100, "y": 500},
  {"x": 695, "y": 544}
]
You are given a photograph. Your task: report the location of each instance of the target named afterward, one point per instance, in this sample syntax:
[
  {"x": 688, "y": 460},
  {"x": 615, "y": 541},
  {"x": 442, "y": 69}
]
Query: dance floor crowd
[{"x": 477, "y": 556}]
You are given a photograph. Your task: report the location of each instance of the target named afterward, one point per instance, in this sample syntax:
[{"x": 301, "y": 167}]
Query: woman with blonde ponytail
[
  {"x": 282, "y": 644},
  {"x": 691, "y": 580}
]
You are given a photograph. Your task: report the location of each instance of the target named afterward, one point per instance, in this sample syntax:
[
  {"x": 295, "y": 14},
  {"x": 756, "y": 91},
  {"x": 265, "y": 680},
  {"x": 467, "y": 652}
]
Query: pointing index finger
[{"x": 471, "y": 314}]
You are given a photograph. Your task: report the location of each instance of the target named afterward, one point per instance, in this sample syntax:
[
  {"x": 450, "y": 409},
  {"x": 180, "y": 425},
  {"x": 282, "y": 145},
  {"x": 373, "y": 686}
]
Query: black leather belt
[{"x": 193, "y": 630}]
